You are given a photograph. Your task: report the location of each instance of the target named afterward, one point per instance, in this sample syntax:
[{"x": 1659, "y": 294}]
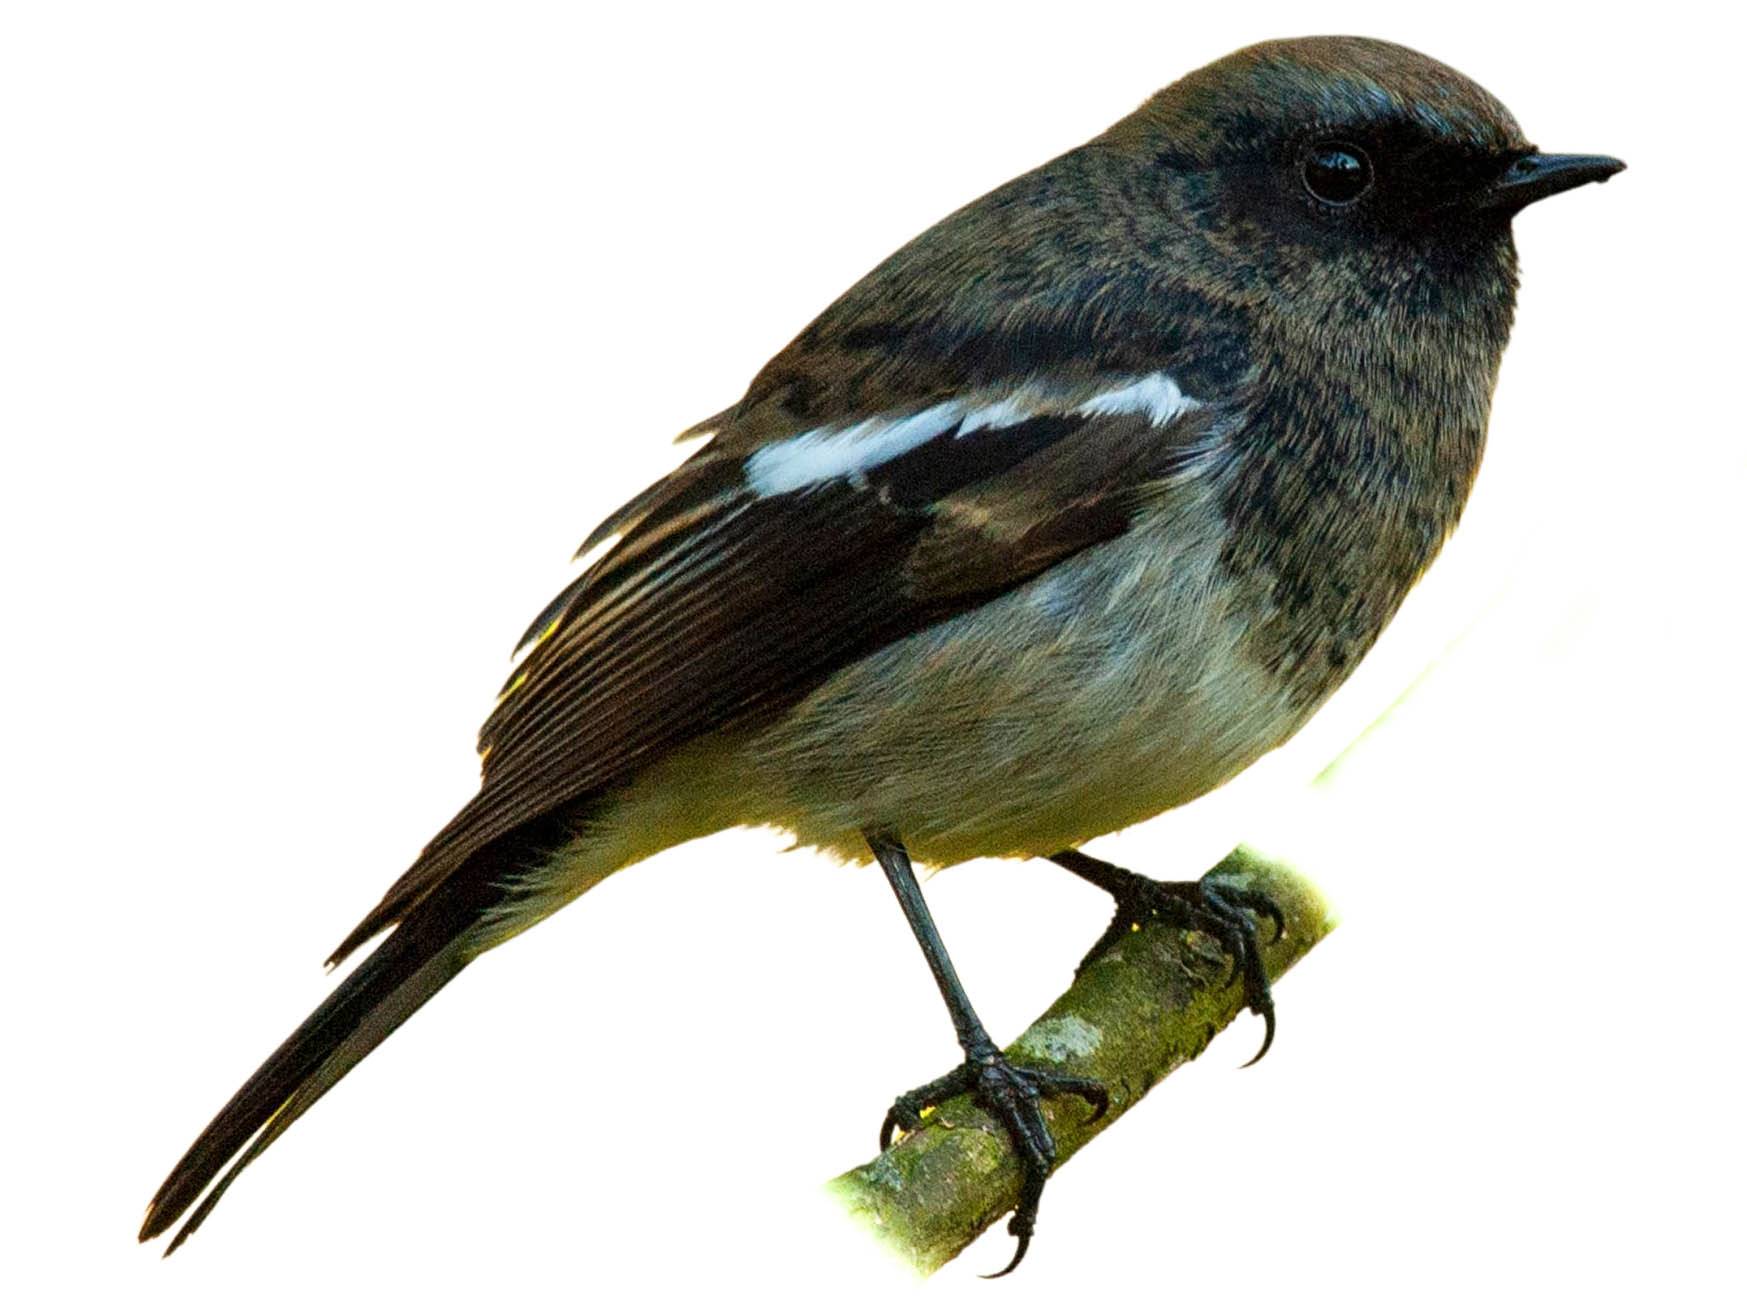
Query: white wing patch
[
  {"x": 1156, "y": 395},
  {"x": 1003, "y": 413},
  {"x": 826, "y": 453},
  {"x": 821, "y": 454}
]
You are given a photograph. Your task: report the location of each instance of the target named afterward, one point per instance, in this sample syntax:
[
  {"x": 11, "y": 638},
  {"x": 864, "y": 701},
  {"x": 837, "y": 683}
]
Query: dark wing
[{"x": 746, "y": 577}]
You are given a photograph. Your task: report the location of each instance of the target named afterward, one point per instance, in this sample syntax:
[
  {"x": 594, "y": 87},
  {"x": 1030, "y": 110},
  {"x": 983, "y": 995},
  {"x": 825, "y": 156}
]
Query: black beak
[{"x": 1534, "y": 176}]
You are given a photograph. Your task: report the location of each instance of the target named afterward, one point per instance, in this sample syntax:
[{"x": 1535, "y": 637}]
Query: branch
[{"x": 1147, "y": 1005}]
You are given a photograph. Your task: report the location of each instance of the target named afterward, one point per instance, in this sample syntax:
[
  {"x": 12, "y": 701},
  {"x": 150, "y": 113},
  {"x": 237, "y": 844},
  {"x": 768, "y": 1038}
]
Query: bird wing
[{"x": 781, "y": 552}]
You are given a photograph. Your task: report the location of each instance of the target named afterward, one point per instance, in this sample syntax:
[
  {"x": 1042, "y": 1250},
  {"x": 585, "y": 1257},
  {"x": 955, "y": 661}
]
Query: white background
[{"x": 328, "y": 332}]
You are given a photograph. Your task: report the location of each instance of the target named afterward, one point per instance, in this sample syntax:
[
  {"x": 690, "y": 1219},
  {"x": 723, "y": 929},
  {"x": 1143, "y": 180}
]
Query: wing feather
[{"x": 719, "y": 604}]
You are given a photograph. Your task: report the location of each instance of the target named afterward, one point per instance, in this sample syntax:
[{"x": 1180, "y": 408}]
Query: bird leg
[
  {"x": 1010, "y": 1092},
  {"x": 1210, "y": 905}
]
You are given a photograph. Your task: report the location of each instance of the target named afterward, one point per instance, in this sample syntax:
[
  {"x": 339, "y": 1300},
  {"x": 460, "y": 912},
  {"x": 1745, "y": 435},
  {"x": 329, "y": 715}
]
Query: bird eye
[{"x": 1336, "y": 173}]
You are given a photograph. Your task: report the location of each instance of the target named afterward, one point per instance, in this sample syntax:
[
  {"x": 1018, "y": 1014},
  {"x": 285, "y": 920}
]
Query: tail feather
[{"x": 415, "y": 962}]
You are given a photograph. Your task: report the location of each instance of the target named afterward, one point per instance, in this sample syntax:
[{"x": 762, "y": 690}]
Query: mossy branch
[{"x": 1150, "y": 1003}]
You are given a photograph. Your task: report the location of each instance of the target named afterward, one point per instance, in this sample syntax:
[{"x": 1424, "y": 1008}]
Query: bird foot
[
  {"x": 1215, "y": 907},
  {"x": 1014, "y": 1095}
]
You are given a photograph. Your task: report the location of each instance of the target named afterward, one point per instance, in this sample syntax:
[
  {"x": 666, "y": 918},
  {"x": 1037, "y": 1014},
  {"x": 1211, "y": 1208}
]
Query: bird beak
[{"x": 1535, "y": 176}]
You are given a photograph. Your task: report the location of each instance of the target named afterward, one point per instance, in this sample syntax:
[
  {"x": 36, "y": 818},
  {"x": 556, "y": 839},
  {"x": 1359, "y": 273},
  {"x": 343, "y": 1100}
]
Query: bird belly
[{"x": 1106, "y": 690}]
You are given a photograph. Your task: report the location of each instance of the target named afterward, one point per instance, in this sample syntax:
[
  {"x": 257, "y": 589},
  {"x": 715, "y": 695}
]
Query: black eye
[{"x": 1336, "y": 173}]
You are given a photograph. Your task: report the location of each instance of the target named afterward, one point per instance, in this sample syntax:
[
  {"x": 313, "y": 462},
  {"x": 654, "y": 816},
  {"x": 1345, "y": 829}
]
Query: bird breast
[{"x": 1114, "y": 686}]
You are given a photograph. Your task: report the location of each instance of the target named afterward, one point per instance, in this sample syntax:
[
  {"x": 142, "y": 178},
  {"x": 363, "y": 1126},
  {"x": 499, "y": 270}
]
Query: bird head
[{"x": 1346, "y": 176}]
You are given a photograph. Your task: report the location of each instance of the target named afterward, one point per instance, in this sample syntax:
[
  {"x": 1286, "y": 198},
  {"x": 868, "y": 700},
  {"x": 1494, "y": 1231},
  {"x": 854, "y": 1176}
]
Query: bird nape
[{"x": 1067, "y": 512}]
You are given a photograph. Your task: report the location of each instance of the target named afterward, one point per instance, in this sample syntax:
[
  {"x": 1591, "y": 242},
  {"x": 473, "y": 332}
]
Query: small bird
[{"x": 1063, "y": 515}]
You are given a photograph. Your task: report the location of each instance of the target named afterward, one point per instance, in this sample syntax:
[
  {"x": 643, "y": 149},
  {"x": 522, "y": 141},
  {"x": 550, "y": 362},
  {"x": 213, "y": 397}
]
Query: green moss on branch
[{"x": 1149, "y": 1004}]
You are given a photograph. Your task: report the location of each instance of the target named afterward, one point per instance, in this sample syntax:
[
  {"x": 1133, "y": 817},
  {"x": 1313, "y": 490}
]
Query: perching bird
[{"x": 1062, "y": 516}]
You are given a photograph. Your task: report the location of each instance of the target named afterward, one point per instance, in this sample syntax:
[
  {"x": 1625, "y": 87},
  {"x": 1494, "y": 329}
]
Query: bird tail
[{"x": 421, "y": 956}]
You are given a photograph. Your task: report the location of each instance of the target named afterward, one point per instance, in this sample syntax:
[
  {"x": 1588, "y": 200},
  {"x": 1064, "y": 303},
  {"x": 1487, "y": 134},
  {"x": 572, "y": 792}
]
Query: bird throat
[{"x": 1354, "y": 466}]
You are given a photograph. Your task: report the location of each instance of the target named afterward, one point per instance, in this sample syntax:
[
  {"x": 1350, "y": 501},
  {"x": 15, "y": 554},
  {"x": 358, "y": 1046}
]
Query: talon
[
  {"x": 1273, "y": 911},
  {"x": 1257, "y": 903},
  {"x": 1024, "y": 1221},
  {"x": 887, "y": 1128},
  {"x": 1267, "y": 1037},
  {"x": 1265, "y": 906},
  {"x": 903, "y": 1115},
  {"x": 1100, "y": 1104},
  {"x": 913, "y": 1107},
  {"x": 1093, "y": 1093},
  {"x": 1018, "y": 1255},
  {"x": 1218, "y": 908},
  {"x": 1013, "y": 1095}
]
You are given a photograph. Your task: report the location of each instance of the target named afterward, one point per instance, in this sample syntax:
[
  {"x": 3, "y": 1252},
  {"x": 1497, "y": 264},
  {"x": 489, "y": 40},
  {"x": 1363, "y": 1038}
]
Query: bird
[{"x": 1066, "y": 513}]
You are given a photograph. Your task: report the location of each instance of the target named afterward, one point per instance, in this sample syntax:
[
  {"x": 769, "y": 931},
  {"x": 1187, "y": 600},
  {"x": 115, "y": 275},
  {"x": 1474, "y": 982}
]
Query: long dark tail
[{"x": 412, "y": 965}]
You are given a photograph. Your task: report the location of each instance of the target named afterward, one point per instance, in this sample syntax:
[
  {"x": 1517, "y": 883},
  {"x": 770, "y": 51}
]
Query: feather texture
[{"x": 725, "y": 598}]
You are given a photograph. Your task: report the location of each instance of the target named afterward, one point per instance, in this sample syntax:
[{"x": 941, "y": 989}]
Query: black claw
[
  {"x": 887, "y": 1129},
  {"x": 1090, "y": 1091},
  {"x": 1024, "y": 1221},
  {"x": 1013, "y": 1094},
  {"x": 1018, "y": 1255},
  {"x": 1267, "y": 1037},
  {"x": 1257, "y": 902},
  {"x": 1275, "y": 913},
  {"x": 1211, "y": 905},
  {"x": 1247, "y": 954},
  {"x": 906, "y": 1111},
  {"x": 1260, "y": 1001},
  {"x": 899, "y": 1116}
]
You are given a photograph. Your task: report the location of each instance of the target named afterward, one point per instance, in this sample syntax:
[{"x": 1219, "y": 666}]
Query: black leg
[
  {"x": 1011, "y": 1093},
  {"x": 1209, "y": 905}
]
